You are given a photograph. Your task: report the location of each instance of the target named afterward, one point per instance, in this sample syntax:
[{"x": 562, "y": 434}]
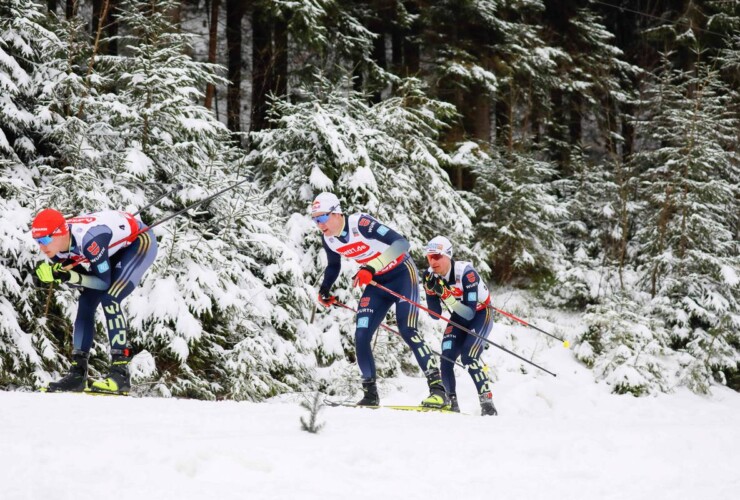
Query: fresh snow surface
[{"x": 564, "y": 437}]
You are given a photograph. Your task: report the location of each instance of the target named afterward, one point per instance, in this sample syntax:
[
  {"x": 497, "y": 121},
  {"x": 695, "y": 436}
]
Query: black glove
[
  {"x": 428, "y": 280},
  {"x": 438, "y": 287}
]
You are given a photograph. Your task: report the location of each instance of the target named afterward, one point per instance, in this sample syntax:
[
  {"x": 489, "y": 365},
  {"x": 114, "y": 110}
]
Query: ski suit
[
  {"x": 472, "y": 293},
  {"x": 117, "y": 259},
  {"x": 365, "y": 239}
]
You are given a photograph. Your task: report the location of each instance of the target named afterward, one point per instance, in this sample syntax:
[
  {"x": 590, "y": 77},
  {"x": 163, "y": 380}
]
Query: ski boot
[
  {"x": 371, "y": 397},
  {"x": 486, "y": 404},
  {"x": 118, "y": 381},
  {"x": 453, "y": 406},
  {"x": 76, "y": 379},
  {"x": 437, "y": 396}
]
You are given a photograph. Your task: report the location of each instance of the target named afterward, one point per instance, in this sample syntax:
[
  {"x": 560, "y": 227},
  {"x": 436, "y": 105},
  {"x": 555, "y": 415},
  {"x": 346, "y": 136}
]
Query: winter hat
[
  {"x": 48, "y": 222},
  {"x": 326, "y": 203},
  {"x": 440, "y": 245}
]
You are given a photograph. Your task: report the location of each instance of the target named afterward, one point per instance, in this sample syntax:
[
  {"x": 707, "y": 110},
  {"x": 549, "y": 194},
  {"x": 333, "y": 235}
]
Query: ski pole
[
  {"x": 162, "y": 221},
  {"x": 466, "y": 330},
  {"x": 388, "y": 328},
  {"x": 566, "y": 344},
  {"x": 176, "y": 188}
]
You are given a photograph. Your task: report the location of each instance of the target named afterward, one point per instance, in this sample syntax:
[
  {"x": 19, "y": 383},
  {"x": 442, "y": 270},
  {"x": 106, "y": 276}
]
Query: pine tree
[
  {"x": 687, "y": 240},
  {"x": 626, "y": 346},
  {"x": 221, "y": 309},
  {"x": 519, "y": 215},
  {"x": 26, "y": 353}
]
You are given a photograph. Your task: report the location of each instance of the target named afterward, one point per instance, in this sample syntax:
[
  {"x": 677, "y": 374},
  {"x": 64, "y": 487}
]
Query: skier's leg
[
  {"x": 451, "y": 348},
  {"x": 407, "y": 284},
  {"x": 82, "y": 338},
  {"x": 127, "y": 273},
  {"x": 373, "y": 307},
  {"x": 471, "y": 357}
]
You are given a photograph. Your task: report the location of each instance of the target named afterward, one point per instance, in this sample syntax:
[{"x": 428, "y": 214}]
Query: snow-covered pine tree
[
  {"x": 688, "y": 246},
  {"x": 220, "y": 308},
  {"x": 232, "y": 288},
  {"x": 598, "y": 231},
  {"x": 626, "y": 345},
  {"x": 25, "y": 68},
  {"x": 381, "y": 159},
  {"x": 519, "y": 215}
]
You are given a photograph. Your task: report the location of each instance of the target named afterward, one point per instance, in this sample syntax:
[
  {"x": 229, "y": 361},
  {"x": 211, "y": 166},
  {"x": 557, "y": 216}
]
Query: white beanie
[
  {"x": 440, "y": 245},
  {"x": 326, "y": 203}
]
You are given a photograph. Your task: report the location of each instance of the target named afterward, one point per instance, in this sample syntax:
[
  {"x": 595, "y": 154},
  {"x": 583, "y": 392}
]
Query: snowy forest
[{"x": 583, "y": 151}]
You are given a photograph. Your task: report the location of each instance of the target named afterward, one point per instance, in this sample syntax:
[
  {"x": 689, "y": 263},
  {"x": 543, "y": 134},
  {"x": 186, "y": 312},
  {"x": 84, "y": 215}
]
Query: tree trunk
[
  {"x": 575, "y": 127},
  {"x": 212, "y": 46},
  {"x": 262, "y": 58},
  {"x": 502, "y": 112},
  {"x": 112, "y": 27},
  {"x": 107, "y": 27},
  {"x": 269, "y": 63},
  {"x": 411, "y": 46},
  {"x": 51, "y": 5},
  {"x": 235, "y": 10},
  {"x": 280, "y": 68},
  {"x": 557, "y": 131},
  {"x": 70, "y": 9}
]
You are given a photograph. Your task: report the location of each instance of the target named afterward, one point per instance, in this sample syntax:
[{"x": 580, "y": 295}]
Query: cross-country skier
[
  {"x": 117, "y": 258},
  {"x": 458, "y": 285},
  {"x": 383, "y": 255}
]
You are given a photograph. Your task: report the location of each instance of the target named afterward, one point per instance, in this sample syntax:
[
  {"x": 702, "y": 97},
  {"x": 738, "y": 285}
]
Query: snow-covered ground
[{"x": 555, "y": 438}]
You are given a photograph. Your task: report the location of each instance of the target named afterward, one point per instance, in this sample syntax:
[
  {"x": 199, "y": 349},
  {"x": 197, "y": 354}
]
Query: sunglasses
[
  {"x": 434, "y": 256},
  {"x": 44, "y": 240},
  {"x": 321, "y": 219}
]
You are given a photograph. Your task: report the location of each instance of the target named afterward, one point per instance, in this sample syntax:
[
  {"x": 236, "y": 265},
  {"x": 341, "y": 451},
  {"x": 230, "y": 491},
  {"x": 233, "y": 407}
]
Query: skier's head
[
  {"x": 49, "y": 229},
  {"x": 326, "y": 212},
  {"x": 439, "y": 254}
]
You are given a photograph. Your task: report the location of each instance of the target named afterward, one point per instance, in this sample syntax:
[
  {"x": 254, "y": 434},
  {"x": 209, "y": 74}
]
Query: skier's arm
[
  {"x": 434, "y": 305},
  {"x": 440, "y": 287},
  {"x": 398, "y": 245},
  {"x": 469, "y": 300},
  {"x": 333, "y": 267},
  {"x": 95, "y": 249},
  {"x": 433, "y": 302}
]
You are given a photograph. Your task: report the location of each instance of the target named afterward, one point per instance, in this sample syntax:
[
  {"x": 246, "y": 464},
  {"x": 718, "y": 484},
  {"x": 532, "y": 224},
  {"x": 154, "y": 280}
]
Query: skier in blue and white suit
[
  {"x": 117, "y": 254},
  {"x": 383, "y": 255},
  {"x": 458, "y": 285}
]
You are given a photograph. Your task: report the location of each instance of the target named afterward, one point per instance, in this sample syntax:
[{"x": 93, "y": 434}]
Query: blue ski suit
[
  {"x": 117, "y": 260},
  {"x": 365, "y": 239},
  {"x": 471, "y": 312}
]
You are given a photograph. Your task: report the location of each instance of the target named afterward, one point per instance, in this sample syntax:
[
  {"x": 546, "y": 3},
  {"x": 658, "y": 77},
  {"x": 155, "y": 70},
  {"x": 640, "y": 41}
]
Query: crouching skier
[
  {"x": 118, "y": 256},
  {"x": 383, "y": 255},
  {"x": 459, "y": 286}
]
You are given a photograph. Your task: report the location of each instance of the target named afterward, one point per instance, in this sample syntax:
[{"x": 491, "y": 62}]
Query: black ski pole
[
  {"x": 176, "y": 188},
  {"x": 169, "y": 217},
  {"x": 388, "y": 328}
]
